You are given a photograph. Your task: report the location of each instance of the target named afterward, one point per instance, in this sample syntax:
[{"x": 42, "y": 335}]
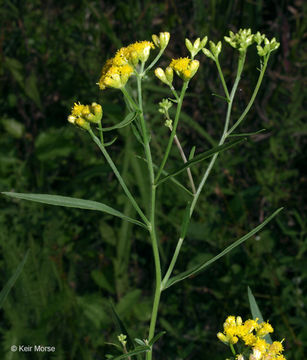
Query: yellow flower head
[
  {"x": 185, "y": 67},
  {"x": 264, "y": 329},
  {"x": 113, "y": 75},
  {"x": 139, "y": 51},
  {"x": 276, "y": 348},
  {"x": 83, "y": 115},
  {"x": 116, "y": 71},
  {"x": 251, "y": 333}
]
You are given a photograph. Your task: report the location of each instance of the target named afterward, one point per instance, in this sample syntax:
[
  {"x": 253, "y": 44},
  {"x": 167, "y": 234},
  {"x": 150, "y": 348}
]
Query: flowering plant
[{"x": 133, "y": 60}]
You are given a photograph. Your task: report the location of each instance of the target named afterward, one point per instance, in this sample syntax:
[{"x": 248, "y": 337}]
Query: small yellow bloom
[
  {"x": 139, "y": 51},
  {"x": 185, "y": 67},
  {"x": 114, "y": 76},
  {"x": 276, "y": 348},
  {"x": 264, "y": 329},
  {"x": 251, "y": 333},
  {"x": 83, "y": 115}
]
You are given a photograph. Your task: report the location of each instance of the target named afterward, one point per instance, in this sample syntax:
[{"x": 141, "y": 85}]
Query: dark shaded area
[{"x": 51, "y": 55}]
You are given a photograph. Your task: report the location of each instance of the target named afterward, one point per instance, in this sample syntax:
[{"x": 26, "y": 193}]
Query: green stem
[
  {"x": 224, "y": 135},
  {"x": 100, "y": 132},
  {"x": 152, "y": 228},
  {"x": 172, "y": 264},
  {"x": 222, "y": 79},
  {"x": 190, "y": 176},
  {"x": 120, "y": 179},
  {"x": 252, "y": 99},
  {"x": 173, "y": 133},
  {"x": 232, "y": 349},
  {"x": 129, "y": 99},
  {"x": 154, "y": 61}
]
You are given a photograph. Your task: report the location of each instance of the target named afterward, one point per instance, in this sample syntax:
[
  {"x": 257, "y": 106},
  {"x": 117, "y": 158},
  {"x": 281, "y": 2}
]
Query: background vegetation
[{"x": 51, "y": 55}]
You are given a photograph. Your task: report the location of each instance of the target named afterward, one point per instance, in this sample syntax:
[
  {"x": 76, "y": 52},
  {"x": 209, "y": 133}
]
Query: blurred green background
[{"x": 51, "y": 55}]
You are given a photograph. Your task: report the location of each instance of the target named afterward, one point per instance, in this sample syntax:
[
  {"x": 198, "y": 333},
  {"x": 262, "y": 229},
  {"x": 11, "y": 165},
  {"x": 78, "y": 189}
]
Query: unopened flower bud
[
  {"x": 196, "y": 43},
  {"x": 169, "y": 73},
  {"x": 196, "y": 47},
  {"x": 215, "y": 49},
  {"x": 208, "y": 54},
  {"x": 203, "y": 42},
  {"x": 83, "y": 123},
  {"x": 223, "y": 338},
  {"x": 161, "y": 41},
  {"x": 160, "y": 74},
  {"x": 71, "y": 119},
  {"x": 189, "y": 45},
  {"x": 169, "y": 124}
]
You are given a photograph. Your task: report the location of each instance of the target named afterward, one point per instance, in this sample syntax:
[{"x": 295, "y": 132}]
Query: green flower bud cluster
[
  {"x": 241, "y": 40},
  {"x": 268, "y": 47},
  {"x": 214, "y": 51},
  {"x": 122, "y": 339},
  {"x": 164, "y": 106},
  {"x": 196, "y": 46}
]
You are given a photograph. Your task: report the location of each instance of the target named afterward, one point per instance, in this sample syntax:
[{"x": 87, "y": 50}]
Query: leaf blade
[
  {"x": 200, "y": 157},
  {"x": 65, "y": 201},
  {"x": 198, "y": 268},
  {"x": 256, "y": 313},
  {"x": 137, "y": 350},
  {"x": 127, "y": 120},
  {"x": 8, "y": 286}
]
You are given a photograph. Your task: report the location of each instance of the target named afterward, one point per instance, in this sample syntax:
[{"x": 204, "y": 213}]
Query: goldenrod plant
[{"x": 136, "y": 60}]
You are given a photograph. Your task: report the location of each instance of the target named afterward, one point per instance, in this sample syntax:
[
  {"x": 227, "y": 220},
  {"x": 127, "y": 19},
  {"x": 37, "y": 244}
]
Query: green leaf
[
  {"x": 192, "y": 153},
  {"x": 127, "y": 120},
  {"x": 182, "y": 187},
  {"x": 72, "y": 202},
  {"x": 14, "y": 128},
  {"x": 140, "y": 342},
  {"x": 8, "y": 286},
  {"x": 137, "y": 350},
  {"x": 200, "y": 157},
  {"x": 121, "y": 328},
  {"x": 200, "y": 267},
  {"x": 110, "y": 142},
  {"x": 31, "y": 90},
  {"x": 256, "y": 313},
  {"x": 156, "y": 338},
  {"x": 247, "y": 134}
]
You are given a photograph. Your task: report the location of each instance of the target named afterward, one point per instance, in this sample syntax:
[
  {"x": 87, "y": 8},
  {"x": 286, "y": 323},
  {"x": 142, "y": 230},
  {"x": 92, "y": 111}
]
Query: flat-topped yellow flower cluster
[
  {"x": 252, "y": 333},
  {"x": 84, "y": 115},
  {"x": 117, "y": 70}
]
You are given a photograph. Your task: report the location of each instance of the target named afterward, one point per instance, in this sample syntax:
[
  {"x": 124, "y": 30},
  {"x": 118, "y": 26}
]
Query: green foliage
[{"x": 78, "y": 260}]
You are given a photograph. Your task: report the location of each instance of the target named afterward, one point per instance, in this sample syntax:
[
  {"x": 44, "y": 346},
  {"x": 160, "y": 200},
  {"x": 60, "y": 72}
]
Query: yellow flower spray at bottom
[{"x": 251, "y": 333}]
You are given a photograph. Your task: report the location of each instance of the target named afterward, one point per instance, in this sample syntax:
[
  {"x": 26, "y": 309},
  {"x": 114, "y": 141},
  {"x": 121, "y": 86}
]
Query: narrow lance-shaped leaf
[
  {"x": 121, "y": 328},
  {"x": 136, "y": 351},
  {"x": 200, "y": 267},
  {"x": 127, "y": 120},
  {"x": 156, "y": 338},
  {"x": 201, "y": 157},
  {"x": 8, "y": 286},
  {"x": 256, "y": 313},
  {"x": 247, "y": 134},
  {"x": 171, "y": 179},
  {"x": 72, "y": 202}
]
